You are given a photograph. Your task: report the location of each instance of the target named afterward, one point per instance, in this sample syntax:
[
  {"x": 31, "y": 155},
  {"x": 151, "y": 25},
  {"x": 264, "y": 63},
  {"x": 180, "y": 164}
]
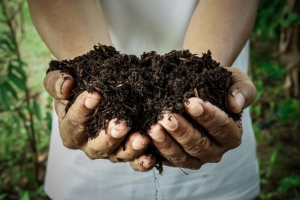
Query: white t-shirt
[{"x": 136, "y": 26}]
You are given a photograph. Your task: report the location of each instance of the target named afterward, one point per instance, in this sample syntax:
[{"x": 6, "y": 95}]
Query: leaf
[
  {"x": 4, "y": 96},
  {"x": 264, "y": 181},
  {"x": 30, "y": 177},
  {"x": 5, "y": 45},
  {"x": 37, "y": 109},
  {"x": 8, "y": 35},
  {"x": 18, "y": 66},
  {"x": 40, "y": 191},
  {"x": 272, "y": 163},
  {"x": 17, "y": 81},
  {"x": 256, "y": 129},
  {"x": 21, "y": 62},
  {"x": 24, "y": 195},
  {"x": 2, "y": 196},
  {"x": 49, "y": 121},
  {"x": 11, "y": 90},
  {"x": 21, "y": 71},
  {"x": 257, "y": 110},
  {"x": 7, "y": 41}
]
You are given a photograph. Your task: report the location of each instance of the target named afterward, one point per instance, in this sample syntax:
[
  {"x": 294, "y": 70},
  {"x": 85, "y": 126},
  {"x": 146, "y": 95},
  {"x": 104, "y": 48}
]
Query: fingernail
[
  {"x": 240, "y": 100},
  {"x": 58, "y": 85},
  {"x": 91, "y": 101},
  {"x": 169, "y": 122},
  {"x": 157, "y": 134},
  {"x": 118, "y": 130},
  {"x": 137, "y": 143},
  {"x": 195, "y": 109}
]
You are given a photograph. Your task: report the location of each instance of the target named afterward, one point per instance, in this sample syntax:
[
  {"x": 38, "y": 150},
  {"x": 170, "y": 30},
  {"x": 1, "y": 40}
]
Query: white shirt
[{"x": 136, "y": 26}]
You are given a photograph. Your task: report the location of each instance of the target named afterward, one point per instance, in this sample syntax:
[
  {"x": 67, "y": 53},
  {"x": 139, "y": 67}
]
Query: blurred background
[{"x": 25, "y": 108}]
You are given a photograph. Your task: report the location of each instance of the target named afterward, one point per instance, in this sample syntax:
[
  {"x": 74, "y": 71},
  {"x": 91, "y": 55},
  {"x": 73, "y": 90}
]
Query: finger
[
  {"x": 143, "y": 163},
  {"x": 135, "y": 145},
  {"x": 224, "y": 130},
  {"x": 72, "y": 126},
  {"x": 242, "y": 93},
  {"x": 107, "y": 141},
  {"x": 190, "y": 138},
  {"x": 59, "y": 106},
  {"x": 170, "y": 149},
  {"x": 59, "y": 85}
]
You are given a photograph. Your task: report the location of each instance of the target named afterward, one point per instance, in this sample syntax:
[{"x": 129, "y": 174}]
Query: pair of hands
[{"x": 175, "y": 138}]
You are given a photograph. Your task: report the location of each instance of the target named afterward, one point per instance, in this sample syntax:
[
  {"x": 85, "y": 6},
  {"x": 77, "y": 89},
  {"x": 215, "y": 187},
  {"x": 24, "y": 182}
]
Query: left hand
[{"x": 184, "y": 146}]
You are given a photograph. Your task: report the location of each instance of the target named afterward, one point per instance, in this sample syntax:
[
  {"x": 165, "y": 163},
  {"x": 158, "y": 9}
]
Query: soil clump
[{"x": 137, "y": 90}]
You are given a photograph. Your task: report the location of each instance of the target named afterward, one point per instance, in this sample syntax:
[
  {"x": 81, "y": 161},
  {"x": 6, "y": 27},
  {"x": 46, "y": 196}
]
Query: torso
[{"x": 71, "y": 175}]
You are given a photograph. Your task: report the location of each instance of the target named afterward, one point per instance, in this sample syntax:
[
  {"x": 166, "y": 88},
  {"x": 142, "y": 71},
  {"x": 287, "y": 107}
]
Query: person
[{"x": 81, "y": 168}]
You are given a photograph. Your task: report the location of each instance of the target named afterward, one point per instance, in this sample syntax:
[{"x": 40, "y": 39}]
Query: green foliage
[
  {"x": 268, "y": 19},
  {"x": 25, "y": 115},
  {"x": 275, "y": 115},
  {"x": 290, "y": 110}
]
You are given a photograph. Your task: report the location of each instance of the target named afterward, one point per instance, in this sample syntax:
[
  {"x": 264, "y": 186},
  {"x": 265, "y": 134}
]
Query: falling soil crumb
[{"x": 137, "y": 90}]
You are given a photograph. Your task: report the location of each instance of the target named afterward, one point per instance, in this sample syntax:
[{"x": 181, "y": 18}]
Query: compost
[{"x": 139, "y": 89}]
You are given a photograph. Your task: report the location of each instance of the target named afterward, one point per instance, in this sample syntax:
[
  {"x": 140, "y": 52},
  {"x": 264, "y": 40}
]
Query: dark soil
[{"x": 137, "y": 90}]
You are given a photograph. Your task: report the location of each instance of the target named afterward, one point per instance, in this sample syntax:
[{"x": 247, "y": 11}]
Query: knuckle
[
  {"x": 81, "y": 113},
  {"x": 114, "y": 159},
  {"x": 200, "y": 146},
  {"x": 167, "y": 147},
  {"x": 90, "y": 156},
  {"x": 73, "y": 125},
  {"x": 105, "y": 144},
  {"x": 98, "y": 153},
  {"x": 180, "y": 160},
  {"x": 77, "y": 137},
  {"x": 222, "y": 127},
  {"x": 129, "y": 156},
  {"x": 236, "y": 142},
  {"x": 198, "y": 166},
  {"x": 216, "y": 159},
  {"x": 78, "y": 140},
  {"x": 101, "y": 154},
  {"x": 68, "y": 144},
  {"x": 205, "y": 148}
]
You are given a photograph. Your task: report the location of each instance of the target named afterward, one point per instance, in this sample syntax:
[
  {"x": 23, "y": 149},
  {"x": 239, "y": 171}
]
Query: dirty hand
[
  {"x": 183, "y": 146},
  {"x": 72, "y": 125}
]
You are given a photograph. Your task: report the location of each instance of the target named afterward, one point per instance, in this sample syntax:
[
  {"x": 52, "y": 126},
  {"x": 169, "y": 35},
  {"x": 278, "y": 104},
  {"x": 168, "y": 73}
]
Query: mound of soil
[{"x": 137, "y": 90}]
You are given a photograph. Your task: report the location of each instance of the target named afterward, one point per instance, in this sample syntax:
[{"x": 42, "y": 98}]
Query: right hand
[{"x": 107, "y": 143}]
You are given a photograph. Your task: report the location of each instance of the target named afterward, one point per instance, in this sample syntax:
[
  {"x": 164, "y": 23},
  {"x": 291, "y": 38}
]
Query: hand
[
  {"x": 107, "y": 143},
  {"x": 183, "y": 146}
]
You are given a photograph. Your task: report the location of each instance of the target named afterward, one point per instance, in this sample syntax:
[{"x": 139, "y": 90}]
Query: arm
[
  {"x": 71, "y": 28},
  {"x": 221, "y": 26}
]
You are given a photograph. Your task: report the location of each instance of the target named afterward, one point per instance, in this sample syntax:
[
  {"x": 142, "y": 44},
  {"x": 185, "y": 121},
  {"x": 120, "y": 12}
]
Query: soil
[{"x": 138, "y": 90}]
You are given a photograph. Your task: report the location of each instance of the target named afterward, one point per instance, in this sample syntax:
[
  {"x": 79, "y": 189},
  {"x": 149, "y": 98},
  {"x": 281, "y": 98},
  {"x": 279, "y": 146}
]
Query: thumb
[
  {"x": 59, "y": 84},
  {"x": 242, "y": 92}
]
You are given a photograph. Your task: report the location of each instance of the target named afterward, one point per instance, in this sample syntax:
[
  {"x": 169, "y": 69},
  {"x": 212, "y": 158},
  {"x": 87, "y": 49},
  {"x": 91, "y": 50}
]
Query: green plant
[
  {"x": 275, "y": 115},
  {"x": 25, "y": 120}
]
